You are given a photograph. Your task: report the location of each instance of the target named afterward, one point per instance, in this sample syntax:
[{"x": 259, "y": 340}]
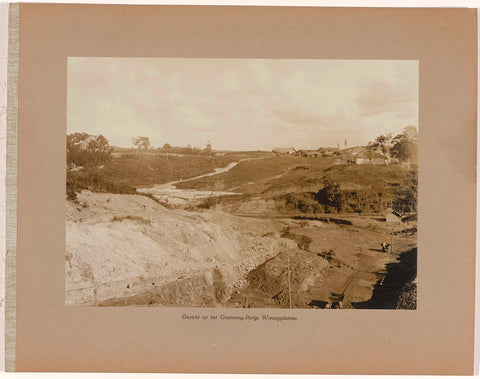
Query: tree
[
  {"x": 166, "y": 147},
  {"x": 382, "y": 143},
  {"x": 406, "y": 194},
  {"x": 405, "y": 145},
  {"x": 87, "y": 150},
  {"x": 330, "y": 195},
  {"x": 141, "y": 143},
  {"x": 99, "y": 145},
  {"x": 370, "y": 150},
  {"x": 208, "y": 147}
]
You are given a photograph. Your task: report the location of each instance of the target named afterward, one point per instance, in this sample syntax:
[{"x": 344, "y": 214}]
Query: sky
[{"x": 241, "y": 104}]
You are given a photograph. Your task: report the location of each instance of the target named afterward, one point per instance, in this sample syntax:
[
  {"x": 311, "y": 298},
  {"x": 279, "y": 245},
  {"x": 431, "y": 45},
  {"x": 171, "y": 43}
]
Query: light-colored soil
[
  {"x": 130, "y": 250},
  {"x": 127, "y": 246}
]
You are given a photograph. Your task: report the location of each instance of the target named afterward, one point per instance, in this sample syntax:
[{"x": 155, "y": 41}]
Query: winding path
[
  {"x": 217, "y": 171},
  {"x": 168, "y": 192}
]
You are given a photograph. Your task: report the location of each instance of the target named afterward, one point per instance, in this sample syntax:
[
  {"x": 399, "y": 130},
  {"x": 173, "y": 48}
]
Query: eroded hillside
[{"x": 128, "y": 249}]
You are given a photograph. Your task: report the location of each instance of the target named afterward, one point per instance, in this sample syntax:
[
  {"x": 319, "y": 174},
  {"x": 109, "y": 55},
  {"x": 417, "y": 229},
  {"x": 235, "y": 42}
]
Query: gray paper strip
[{"x": 11, "y": 189}]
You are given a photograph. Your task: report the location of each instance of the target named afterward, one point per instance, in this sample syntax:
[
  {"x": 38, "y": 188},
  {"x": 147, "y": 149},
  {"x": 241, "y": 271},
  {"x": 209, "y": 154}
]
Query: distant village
[
  {"x": 384, "y": 150},
  {"x": 354, "y": 155}
]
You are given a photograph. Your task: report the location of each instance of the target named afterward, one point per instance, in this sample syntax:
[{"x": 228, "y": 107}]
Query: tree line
[
  {"x": 142, "y": 144},
  {"x": 403, "y": 147},
  {"x": 332, "y": 199},
  {"x": 88, "y": 150}
]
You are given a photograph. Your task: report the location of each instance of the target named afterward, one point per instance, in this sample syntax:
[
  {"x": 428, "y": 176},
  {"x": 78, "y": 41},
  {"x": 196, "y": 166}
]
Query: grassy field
[
  {"x": 248, "y": 172},
  {"x": 284, "y": 174},
  {"x": 144, "y": 170},
  {"x": 371, "y": 176},
  {"x": 257, "y": 176},
  {"x": 125, "y": 173},
  {"x": 293, "y": 183}
]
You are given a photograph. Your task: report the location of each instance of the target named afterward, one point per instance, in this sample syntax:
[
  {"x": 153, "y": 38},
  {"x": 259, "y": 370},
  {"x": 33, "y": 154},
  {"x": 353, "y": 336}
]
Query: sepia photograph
[{"x": 241, "y": 183}]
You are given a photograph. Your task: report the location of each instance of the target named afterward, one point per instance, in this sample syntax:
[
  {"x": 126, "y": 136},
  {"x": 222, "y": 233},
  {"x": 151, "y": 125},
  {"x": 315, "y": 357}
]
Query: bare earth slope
[{"x": 128, "y": 249}]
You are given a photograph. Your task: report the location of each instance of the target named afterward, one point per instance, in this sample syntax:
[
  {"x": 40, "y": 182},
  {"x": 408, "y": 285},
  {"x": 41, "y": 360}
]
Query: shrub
[
  {"x": 95, "y": 181},
  {"x": 328, "y": 255},
  {"x": 406, "y": 194},
  {"x": 71, "y": 194},
  {"x": 303, "y": 242},
  {"x": 87, "y": 150}
]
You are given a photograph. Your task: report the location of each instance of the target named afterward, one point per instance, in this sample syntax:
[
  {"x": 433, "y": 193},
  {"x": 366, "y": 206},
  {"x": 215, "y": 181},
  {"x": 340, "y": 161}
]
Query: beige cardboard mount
[{"x": 437, "y": 338}]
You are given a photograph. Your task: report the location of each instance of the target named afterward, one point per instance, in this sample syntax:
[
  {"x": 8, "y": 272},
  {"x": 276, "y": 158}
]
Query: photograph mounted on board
[{"x": 242, "y": 183}]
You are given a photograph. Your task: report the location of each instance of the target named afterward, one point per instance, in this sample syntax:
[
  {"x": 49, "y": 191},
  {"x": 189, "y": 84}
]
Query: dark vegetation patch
[
  {"x": 406, "y": 232},
  {"x": 332, "y": 199},
  {"x": 224, "y": 200},
  {"x": 304, "y": 202},
  {"x": 408, "y": 297},
  {"x": 150, "y": 196},
  {"x": 94, "y": 180},
  {"x": 302, "y": 241},
  {"x": 137, "y": 219},
  {"x": 302, "y": 167},
  {"x": 329, "y": 255},
  {"x": 317, "y": 304},
  {"x": 412, "y": 217},
  {"x": 386, "y": 293},
  {"x": 337, "y": 221}
]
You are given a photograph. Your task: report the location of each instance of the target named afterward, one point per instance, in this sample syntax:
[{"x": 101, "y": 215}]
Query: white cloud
[
  {"x": 241, "y": 103},
  {"x": 397, "y": 96}
]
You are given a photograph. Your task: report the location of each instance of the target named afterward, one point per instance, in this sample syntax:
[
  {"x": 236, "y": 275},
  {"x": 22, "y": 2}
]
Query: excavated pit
[{"x": 129, "y": 250}]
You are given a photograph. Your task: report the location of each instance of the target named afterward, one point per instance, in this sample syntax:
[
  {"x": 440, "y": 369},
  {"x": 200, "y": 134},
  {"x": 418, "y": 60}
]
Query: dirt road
[{"x": 170, "y": 195}]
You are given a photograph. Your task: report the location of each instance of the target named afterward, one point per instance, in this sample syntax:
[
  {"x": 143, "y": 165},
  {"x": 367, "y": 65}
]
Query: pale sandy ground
[
  {"x": 122, "y": 246},
  {"x": 130, "y": 250}
]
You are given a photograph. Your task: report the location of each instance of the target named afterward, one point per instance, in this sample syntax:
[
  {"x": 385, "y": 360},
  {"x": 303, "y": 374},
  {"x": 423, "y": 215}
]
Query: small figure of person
[{"x": 385, "y": 246}]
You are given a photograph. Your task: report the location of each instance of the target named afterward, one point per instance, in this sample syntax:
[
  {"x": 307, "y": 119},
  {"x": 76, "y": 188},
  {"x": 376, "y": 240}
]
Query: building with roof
[
  {"x": 284, "y": 150},
  {"x": 367, "y": 156},
  {"x": 309, "y": 153}
]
